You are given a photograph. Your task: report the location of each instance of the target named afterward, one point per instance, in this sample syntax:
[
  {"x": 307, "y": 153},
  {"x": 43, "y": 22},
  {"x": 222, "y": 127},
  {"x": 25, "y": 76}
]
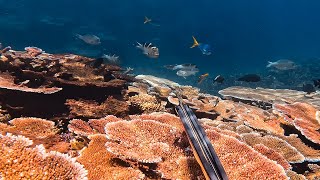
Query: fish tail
[
  {"x": 146, "y": 20},
  {"x": 195, "y": 42}
]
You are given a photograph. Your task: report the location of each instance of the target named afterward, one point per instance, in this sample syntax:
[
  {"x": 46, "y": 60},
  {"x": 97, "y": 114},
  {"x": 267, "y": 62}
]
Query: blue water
[{"x": 244, "y": 34}]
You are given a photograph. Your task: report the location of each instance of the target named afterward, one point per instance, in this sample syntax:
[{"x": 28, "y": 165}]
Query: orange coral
[
  {"x": 40, "y": 128},
  {"x": 290, "y": 153},
  {"x": 99, "y": 124},
  {"x": 162, "y": 117},
  {"x": 144, "y": 141},
  {"x": 20, "y": 161},
  {"x": 80, "y": 127},
  {"x": 242, "y": 162},
  {"x": 304, "y": 119},
  {"x": 273, "y": 155},
  {"x": 100, "y": 163}
]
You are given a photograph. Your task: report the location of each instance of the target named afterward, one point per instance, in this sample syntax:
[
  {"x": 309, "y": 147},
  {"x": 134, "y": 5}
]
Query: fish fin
[
  {"x": 146, "y": 20},
  {"x": 78, "y": 36},
  {"x": 270, "y": 64},
  {"x": 195, "y": 42}
]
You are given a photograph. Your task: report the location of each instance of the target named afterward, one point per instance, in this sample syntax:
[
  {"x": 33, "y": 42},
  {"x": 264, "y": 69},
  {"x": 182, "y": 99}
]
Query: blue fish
[{"x": 204, "y": 48}]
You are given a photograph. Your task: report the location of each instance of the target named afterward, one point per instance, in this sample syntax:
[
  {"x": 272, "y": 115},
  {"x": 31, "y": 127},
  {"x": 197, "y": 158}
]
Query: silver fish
[
  {"x": 149, "y": 50},
  {"x": 282, "y": 64},
  {"x": 186, "y": 73},
  {"x": 89, "y": 39},
  {"x": 180, "y": 66}
]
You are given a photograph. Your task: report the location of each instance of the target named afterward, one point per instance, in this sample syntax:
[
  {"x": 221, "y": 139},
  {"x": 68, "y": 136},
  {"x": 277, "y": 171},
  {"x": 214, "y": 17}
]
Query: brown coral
[
  {"x": 309, "y": 153},
  {"x": 92, "y": 109},
  {"x": 99, "y": 124},
  {"x": 7, "y": 82},
  {"x": 20, "y": 161},
  {"x": 303, "y": 117},
  {"x": 146, "y": 103},
  {"x": 101, "y": 164},
  {"x": 80, "y": 127}
]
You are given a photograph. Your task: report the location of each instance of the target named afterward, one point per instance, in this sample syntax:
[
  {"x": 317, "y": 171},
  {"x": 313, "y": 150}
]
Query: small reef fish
[
  {"x": 180, "y": 66},
  {"x": 204, "y": 48},
  {"x": 218, "y": 79},
  {"x": 308, "y": 88},
  {"x": 282, "y": 64},
  {"x": 149, "y": 50},
  {"x": 89, "y": 39},
  {"x": 185, "y": 73},
  {"x": 149, "y": 21},
  {"x": 316, "y": 83},
  {"x": 111, "y": 59},
  {"x": 249, "y": 78},
  {"x": 202, "y": 77}
]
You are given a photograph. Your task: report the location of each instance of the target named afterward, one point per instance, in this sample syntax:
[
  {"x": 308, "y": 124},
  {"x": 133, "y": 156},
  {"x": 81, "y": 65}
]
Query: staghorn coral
[
  {"x": 240, "y": 161},
  {"x": 101, "y": 164},
  {"x": 144, "y": 141},
  {"x": 146, "y": 103},
  {"x": 303, "y": 117},
  {"x": 92, "y": 109},
  {"x": 19, "y": 160},
  {"x": 290, "y": 153}
]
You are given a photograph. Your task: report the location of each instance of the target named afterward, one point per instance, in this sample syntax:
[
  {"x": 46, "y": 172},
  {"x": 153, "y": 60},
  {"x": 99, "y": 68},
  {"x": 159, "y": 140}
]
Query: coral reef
[
  {"x": 19, "y": 160},
  {"x": 116, "y": 126},
  {"x": 304, "y": 117}
]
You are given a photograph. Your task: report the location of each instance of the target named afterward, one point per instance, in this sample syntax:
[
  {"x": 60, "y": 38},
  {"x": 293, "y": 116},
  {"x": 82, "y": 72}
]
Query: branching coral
[
  {"x": 242, "y": 162},
  {"x": 146, "y": 103},
  {"x": 100, "y": 163},
  {"x": 303, "y": 118},
  {"x": 20, "y": 161}
]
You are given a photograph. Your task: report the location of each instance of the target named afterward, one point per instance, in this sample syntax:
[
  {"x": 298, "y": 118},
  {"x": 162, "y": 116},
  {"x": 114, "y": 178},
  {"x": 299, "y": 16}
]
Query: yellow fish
[{"x": 202, "y": 77}]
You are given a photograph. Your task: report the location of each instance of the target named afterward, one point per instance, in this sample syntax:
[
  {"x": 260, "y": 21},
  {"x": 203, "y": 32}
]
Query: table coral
[
  {"x": 101, "y": 164},
  {"x": 240, "y": 161},
  {"x": 303, "y": 117},
  {"x": 19, "y": 160}
]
